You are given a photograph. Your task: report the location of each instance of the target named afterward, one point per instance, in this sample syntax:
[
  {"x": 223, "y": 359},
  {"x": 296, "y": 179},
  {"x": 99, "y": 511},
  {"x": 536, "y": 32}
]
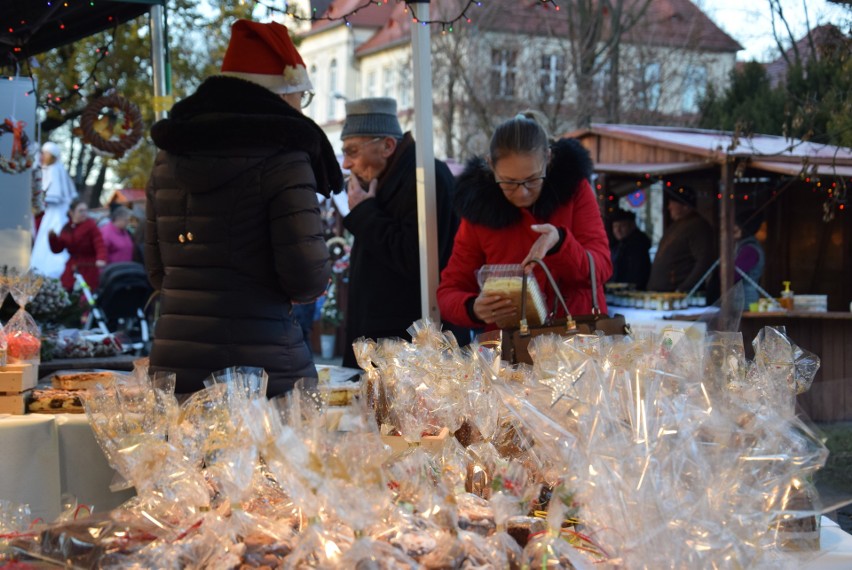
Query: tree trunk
[
  {"x": 98, "y": 188},
  {"x": 613, "y": 96}
]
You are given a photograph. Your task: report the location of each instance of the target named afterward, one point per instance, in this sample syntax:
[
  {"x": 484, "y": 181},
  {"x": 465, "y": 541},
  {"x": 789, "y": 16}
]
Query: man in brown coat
[{"x": 687, "y": 249}]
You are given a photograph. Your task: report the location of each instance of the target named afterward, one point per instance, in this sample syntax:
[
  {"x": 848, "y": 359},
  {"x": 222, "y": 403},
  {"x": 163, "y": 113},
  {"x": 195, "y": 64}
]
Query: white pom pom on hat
[{"x": 265, "y": 54}]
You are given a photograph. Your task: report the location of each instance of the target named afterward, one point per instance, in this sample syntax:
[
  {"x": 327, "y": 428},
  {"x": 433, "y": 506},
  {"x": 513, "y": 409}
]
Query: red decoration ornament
[{"x": 20, "y": 159}]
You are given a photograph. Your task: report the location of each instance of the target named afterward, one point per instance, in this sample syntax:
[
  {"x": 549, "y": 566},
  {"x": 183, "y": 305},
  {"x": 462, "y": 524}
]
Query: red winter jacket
[
  {"x": 493, "y": 231},
  {"x": 85, "y": 246}
]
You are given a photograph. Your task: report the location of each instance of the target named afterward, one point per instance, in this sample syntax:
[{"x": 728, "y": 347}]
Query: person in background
[
  {"x": 59, "y": 192},
  {"x": 630, "y": 260},
  {"x": 384, "y": 279},
  {"x": 528, "y": 199},
  {"x": 119, "y": 244},
  {"x": 233, "y": 231},
  {"x": 748, "y": 254},
  {"x": 137, "y": 231},
  {"x": 687, "y": 248},
  {"x": 81, "y": 238}
]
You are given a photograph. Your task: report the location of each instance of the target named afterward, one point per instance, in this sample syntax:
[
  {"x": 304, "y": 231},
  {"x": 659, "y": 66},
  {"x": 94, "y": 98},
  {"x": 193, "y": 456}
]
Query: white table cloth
[
  {"x": 43, "y": 456},
  {"x": 835, "y": 549}
]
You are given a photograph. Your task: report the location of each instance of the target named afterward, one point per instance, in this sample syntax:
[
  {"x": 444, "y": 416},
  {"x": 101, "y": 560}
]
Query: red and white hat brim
[{"x": 293, "y": 80}]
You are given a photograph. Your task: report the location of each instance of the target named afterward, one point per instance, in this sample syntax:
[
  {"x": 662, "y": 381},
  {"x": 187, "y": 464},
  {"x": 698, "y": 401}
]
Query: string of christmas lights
[
  {"x": 446, "y": 25},
  {"x": 835, "y": 191}
]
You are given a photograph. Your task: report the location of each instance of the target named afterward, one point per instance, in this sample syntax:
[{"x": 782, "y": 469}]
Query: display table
[
  {"x": 44, "y": 456},
  {"x": 835, "y": 551}
]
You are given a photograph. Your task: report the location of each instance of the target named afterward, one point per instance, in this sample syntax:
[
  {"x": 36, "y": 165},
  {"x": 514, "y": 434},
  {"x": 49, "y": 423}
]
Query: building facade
[{"x": 512, "y": 56}]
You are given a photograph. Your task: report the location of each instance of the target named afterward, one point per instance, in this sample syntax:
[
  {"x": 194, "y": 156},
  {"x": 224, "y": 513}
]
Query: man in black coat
[
  {"x": 233, "y": 233},
  {"x": 384, "y": 283},
  {"x": 687, "y": 248},
  {"x": 630, "y": 260}
]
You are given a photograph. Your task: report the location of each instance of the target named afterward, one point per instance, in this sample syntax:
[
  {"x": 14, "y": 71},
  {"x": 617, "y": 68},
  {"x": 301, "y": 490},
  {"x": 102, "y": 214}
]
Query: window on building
[
  {"x": 602, "y": 79},
  {"x": 503, "y": 72},
  {"x": 313, "y": 76},
  {"x": 371, "y": 84},
  {"x": 694, "y": 88},
  {"x": 405, "y": 87},
  {"x": 332, "y": 90},
  {"x": 387, "y": 82},
  {"x": 551, "y": 76},
  {"x": 649, "y": 92}
]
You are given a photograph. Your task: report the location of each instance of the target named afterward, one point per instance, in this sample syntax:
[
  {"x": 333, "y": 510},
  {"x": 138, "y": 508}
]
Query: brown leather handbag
[{"x": 516, "y": 341}]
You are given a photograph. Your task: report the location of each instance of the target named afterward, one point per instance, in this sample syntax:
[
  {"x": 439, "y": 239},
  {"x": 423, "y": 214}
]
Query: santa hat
[{"x": 265, "y": 54}]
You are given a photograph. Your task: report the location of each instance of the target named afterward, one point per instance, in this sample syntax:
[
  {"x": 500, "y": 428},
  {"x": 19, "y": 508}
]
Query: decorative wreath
[
  {"x": 20, "y": 159},
  {"x": 99, "y": 129}
]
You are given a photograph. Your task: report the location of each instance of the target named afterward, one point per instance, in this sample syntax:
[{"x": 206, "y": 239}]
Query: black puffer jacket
[{"x": 234, "y": 233}]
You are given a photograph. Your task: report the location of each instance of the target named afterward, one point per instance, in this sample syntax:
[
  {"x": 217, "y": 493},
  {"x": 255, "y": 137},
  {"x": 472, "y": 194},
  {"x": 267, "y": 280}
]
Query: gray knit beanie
[{"x": 371, "y": 117}]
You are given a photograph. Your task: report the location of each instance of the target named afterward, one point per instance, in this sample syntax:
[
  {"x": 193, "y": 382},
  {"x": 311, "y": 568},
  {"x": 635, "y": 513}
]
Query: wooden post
[{"x": 727, "y": 205}]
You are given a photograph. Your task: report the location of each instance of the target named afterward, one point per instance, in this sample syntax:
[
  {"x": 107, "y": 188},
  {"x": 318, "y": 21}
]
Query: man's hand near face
[{"x": 357, "y": 194}]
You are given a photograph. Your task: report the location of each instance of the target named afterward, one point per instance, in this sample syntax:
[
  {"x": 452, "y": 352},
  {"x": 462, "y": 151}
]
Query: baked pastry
[
  {"x": 54, "y": 401},
  {"x": 81, "y": 380},
  {"x": 511, "y": 287}
]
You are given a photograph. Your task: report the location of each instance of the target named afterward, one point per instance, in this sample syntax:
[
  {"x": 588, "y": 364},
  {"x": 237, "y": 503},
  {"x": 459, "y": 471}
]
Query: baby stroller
[{"x": 122, "y": 297}]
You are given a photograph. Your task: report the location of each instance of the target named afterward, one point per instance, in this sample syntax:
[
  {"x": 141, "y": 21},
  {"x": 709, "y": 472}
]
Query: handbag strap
[
  {"x": 596, "y": 308},
  {"x": 569, "y": 320}
]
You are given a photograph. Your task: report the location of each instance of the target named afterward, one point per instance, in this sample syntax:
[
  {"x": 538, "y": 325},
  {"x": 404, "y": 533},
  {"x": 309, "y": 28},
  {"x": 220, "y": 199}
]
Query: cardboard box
[
  {"x": 14, "y": 403},
  {"x": 18, "y": 377}
]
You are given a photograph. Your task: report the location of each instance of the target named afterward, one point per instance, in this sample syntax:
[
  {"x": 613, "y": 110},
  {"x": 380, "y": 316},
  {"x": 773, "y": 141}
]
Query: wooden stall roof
[{"x": 638, "y": 149}]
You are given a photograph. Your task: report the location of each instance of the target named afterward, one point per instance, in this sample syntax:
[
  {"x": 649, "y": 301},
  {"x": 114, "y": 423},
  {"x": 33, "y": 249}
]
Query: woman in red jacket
[
  {"x": 82, "y": 238},
  {"x": 530, "y": 199}
]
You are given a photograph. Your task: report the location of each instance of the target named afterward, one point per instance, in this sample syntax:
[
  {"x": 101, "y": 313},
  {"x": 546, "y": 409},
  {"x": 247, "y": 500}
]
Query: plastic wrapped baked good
[{"x": 507, "y": 281}]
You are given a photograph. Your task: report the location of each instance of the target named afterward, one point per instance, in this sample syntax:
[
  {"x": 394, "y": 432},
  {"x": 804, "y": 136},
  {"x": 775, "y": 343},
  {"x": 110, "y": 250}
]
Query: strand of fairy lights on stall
[
  {"x": 835, "y": 190},
  {"x": 52, "y": 100}
]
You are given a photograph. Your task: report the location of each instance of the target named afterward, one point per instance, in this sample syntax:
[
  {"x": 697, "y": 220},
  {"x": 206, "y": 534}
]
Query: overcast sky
[{"x": 750, "y": 22}]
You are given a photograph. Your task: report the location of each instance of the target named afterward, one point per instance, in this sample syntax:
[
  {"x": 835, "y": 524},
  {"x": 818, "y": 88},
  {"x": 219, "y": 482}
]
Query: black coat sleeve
[{"x": 302, "y": 261}]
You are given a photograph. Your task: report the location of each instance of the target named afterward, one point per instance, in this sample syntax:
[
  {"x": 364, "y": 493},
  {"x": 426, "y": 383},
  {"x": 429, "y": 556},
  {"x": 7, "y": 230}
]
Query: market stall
[{"x": 499, "y": 465}]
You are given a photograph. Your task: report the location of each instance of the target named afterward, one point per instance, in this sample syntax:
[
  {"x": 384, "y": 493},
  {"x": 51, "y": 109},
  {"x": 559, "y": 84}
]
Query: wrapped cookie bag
[{"x": 23, "y": 336}]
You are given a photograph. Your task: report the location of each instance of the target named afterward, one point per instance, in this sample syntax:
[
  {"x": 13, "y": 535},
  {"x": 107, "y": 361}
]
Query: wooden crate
[
  {"x": 14, "y": 403},
  {"x": 16, "y": 378}
]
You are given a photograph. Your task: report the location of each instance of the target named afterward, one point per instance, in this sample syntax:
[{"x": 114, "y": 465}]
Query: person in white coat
[{"x": 59, "y": 191}]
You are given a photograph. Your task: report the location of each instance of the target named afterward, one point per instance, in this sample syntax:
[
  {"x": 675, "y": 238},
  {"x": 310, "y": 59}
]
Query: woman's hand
[
  {"x": 492, "y": 308},
  {"x": 549, "y": 237}
]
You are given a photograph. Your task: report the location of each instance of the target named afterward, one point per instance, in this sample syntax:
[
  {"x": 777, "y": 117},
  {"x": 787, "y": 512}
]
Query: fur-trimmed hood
[
  {"x": 230, "y": 113},
  {"x": 480, "y": 200}
]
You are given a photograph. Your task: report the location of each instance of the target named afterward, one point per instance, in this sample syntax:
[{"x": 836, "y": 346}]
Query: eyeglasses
[
  {"x": 529, "y": 184},
  {"x": 307, "y": 97},
  {"x": 352, "y": 151}
]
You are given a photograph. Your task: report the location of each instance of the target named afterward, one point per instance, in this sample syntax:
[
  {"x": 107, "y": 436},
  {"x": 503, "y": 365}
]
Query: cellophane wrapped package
[
  {"x": 507, "y": 281},
  {"x": 23, "y": 336},
  {"x": 670, "y": 466},
  {"x": 663, "y": 451}
]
